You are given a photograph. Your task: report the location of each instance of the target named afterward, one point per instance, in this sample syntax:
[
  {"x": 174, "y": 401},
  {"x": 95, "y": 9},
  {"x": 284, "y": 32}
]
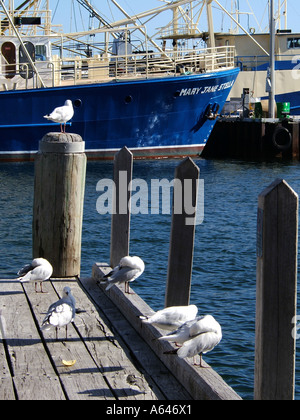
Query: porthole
[
  {"x": 77, "y": 103},
  {"x": 128, "y": 99}
]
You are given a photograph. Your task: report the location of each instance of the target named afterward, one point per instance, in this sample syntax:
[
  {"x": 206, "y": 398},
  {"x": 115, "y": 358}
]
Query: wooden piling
[
  {"x": 277, "y": 244},
  {"x": 60, "y": 170},
  {"x": 120, "y": 223},
  {"x": 182, "y": 234}
]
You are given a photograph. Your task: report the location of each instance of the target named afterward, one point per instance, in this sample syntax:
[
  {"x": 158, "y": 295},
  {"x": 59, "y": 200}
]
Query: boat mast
[
  {"x": 212, "y": 43},
  {"x": 286, "y": 14},
  {"x": 11, "y": 6},
  {"x": 272, "y": 62}
]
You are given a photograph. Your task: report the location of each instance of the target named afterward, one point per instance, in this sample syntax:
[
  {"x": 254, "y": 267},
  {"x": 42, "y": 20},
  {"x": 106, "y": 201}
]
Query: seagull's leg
[
  {"x": 66, "y": 332},
  {"x": 127, "y": 289},
  {"x": 56, "y": 333},
  {"x": 61, "y": 128},
  {"x": 200, "y": 364},
  {"x": 41, "y": 285},
  {"x": 35, "y": 285}
]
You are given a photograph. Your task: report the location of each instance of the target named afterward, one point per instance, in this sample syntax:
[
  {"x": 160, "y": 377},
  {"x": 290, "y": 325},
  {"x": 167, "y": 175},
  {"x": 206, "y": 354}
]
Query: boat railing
[
  {"x": 107, "y": 67},
  {"x": 144, "y": 65},
  {"x": 179, "y": 31}
]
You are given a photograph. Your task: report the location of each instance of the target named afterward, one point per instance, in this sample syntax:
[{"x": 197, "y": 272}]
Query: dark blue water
[{"x": 224, "y": 275}]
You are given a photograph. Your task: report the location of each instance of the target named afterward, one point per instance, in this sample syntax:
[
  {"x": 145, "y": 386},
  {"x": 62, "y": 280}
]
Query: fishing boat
[
  {"x": 250, "y": 36},
  {"x": 159, "y": 96}
]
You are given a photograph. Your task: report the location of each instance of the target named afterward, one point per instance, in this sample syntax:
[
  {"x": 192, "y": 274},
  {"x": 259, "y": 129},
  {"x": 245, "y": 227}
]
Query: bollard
[
  {"x": 60, "y": 171},
  {"x": 276, "y": 295},
  {"x": 120, "y": 221},
  {"x": 181, "y": 251}
]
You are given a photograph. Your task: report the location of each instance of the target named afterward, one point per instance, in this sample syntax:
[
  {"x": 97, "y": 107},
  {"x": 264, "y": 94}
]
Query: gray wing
[
  {"x": 123, "y": 275},
  {"x": 61, "y": 312},
  {"x": 39, "y": 273},
  {"x": 203, "y": 343},
  {"x": 24, "y": 270},
  {"x": 59, "y": 315},
  {"x": 181, "y": 335}
]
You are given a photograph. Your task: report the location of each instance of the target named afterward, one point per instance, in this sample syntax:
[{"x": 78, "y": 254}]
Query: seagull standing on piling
[
  {"x": 39, "y": 270},
  {"x": 172, "y": 317},
  {"x": 61, "y": 313},
  {"x": 62, "y": 115},
  {"x": 128, "y": 270},
  {"x": 203, "y": 336}
]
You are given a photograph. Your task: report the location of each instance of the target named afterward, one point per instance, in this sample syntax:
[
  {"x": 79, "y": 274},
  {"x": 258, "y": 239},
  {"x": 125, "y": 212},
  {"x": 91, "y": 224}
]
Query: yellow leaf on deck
[{"x": 69, "y": 363}]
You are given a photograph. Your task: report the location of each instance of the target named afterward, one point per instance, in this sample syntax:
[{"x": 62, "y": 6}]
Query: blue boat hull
[{"x": 154, "y": 118}]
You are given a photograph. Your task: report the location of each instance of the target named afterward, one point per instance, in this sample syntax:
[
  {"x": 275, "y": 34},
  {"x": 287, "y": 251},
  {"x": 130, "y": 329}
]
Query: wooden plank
[
  {"x": 182, "y": 235},
  {"x": 25, "y": 350},
  {"x": 201, "y": 384},
  {"x": 38, "y": 388},
  {"x": 120, "y": 222},
  {"x": 277, "y": 246},
  {"x": 6, "y": 383},
  {"x": 85, "y": 372},
  {"x": 108, "y": 351},
  {"x": 163, "y": 383},
  {"x": 6, "y": 389}
]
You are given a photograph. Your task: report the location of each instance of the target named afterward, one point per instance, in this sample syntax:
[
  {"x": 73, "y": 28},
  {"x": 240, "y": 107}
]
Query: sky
[{"x": 64, "y": 12}]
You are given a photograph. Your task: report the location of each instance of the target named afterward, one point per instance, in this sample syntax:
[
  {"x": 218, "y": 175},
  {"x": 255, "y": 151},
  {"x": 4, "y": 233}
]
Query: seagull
[
  {"x": 172, "y": 317},
  {"x": 38, "y": 271},
  {"x": 204, "y": 335},
  {"x": 183, "y": 333},
  {"x": 128, "y": 270},
  {"x": 62, "y": 115},
  {"x": 61, "y": 313}
]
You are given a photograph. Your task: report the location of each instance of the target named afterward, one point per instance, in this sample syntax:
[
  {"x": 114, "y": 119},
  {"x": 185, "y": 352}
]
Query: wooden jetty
[
  {"x": 106, "y": 367},
  {"x": 248, "y": 139},
  {"x": 117, "y": 357},
  {"x": 113, "y": 360}
]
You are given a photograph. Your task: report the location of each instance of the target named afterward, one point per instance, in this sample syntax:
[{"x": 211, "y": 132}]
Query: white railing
[
  {"x": 186, "y": 30},
  {"x": 144, "y": 65}
]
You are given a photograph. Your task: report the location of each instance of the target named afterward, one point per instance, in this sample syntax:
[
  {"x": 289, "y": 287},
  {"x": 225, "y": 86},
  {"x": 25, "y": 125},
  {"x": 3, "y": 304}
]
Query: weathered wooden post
[
  {"x": 182, "y": 234},
  {"x": 60, "y": 170},
  {"x": 276, "y": 300},
  {"x": 120, "y": 222}
]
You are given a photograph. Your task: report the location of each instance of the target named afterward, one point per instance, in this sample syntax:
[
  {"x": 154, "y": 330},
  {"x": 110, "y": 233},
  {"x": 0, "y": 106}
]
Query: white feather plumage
[
  {"x": 172, "y": 317},
  {"x": 62, "y": 114}
]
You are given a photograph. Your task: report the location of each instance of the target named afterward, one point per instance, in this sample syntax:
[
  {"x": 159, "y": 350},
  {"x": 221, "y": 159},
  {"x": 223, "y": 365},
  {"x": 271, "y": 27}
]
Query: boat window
[
  {"x": 40, "y": 52},
  {"x": 8, "y": 60},
  {"x": 26, "y": 70},
  {"x": 293, "y": 43}
]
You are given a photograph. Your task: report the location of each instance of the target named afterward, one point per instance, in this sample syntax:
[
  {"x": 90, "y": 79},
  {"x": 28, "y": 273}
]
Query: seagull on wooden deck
[
  {"x": 200, "y": 337},
  {"x": 128, "y": 270},
  {"x": 172, "y": 317},
  {"x": 61, "y": 313},
  {"x": 62, "y": 115},
  {"x": 39, "y": 270}
]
